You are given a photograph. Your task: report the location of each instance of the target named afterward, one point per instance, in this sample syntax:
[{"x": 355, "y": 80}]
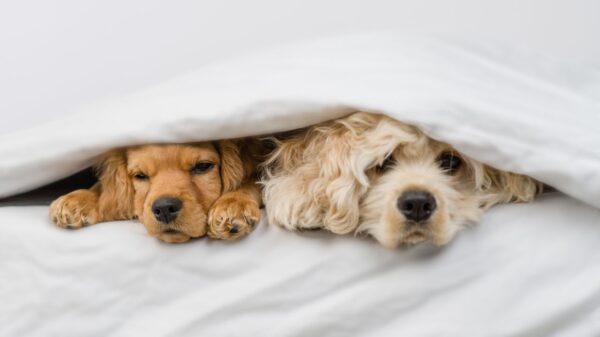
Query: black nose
[
  {"x": 417, "y": 206},
  {"x": 166, "y": 209}
]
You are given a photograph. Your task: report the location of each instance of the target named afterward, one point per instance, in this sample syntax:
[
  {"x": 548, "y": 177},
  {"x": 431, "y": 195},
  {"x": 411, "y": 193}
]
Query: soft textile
[
  {"x": 514, "y": 110},
  {"x": 526, "y": 270}
]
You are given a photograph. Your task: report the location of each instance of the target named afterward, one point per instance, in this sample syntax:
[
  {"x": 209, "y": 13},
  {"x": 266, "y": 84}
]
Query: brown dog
[{"x": 178, "y": 192}]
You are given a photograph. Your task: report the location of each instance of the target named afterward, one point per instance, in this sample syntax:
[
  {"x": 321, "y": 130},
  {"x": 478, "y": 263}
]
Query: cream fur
[{"x": 328, "y": 176}]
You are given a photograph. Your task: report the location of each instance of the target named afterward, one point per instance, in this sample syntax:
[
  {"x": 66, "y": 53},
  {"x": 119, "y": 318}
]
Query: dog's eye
[
  {"x": 449, "y": 162},
  {"x": 201, "y": 167},
  {"x": 387, "y": 163},
  {"x": 140, "y": 176}
]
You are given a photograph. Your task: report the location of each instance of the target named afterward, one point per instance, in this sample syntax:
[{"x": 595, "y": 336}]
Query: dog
[
  {"x": 177, "y": 192},
  {"x": 368, "y": 173}
]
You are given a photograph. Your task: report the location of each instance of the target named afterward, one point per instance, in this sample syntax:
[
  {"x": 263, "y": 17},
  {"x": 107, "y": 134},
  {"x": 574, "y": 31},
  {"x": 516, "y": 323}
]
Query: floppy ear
[
  {"x": 309, "y": 183},
  {"x": 503, "y": 187},
  {"x": 367, "y": 142},
  {"x": 320, "y": 176},
  {"x": 232, "y": 168},
  {"x": 114, "y": 187}
]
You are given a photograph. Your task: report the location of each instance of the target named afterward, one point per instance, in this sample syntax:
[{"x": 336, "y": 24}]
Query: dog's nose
[
  {"x": 417, "y": 206},
  {"x": 166, "y": 209}
]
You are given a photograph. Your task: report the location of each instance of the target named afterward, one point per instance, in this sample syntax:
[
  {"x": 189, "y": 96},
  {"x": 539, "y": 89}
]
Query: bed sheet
[{"x": 526, "y": 270}]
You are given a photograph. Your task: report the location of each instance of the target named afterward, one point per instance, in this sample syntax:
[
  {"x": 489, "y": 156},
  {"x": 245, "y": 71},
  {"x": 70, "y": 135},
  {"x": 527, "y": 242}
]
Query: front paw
[
  {"x": 74, "y": 210},
  {"x": 232, "y": 217}
]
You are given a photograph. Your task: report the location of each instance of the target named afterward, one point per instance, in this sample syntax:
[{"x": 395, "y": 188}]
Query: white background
[{"x": 56, "y": 56}]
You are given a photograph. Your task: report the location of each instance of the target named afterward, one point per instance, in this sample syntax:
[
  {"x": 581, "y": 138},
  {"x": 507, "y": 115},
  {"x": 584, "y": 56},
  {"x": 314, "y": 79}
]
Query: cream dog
[{"x": 368, "y": 173}]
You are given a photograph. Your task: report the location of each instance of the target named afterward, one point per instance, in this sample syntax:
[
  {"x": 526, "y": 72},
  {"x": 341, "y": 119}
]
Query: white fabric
[
  {"x": 519, "y": 112},
  {"x": 526, "y": 270}
]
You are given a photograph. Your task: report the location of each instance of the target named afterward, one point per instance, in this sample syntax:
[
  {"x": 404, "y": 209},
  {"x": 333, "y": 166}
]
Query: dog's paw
[
  {"x": 74, "y": 210},
  {"x": 232, "y": 217}
]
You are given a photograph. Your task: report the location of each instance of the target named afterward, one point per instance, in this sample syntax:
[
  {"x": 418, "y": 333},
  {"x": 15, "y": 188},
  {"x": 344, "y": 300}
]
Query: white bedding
[
  {"x": 526, "y": 270},
  {"x": 521, "y": 112}
]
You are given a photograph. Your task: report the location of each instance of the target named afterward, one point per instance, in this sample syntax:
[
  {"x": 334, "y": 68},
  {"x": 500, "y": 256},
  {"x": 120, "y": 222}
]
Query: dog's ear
[
  {"x": 232, "y": 168},
  {"x": 502, "y": 187},
  {"x": 369, "y": 139},
  {"x": 114, "y": 187},
  {"x": 320, "y": 176},
  {"x": 310, "y": 183}
]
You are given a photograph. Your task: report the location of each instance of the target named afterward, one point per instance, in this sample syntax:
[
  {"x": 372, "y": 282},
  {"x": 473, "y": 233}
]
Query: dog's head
[
  {"x": 418, "y": 189},
  {"x": 425, "y": 190},
  {"x": 169, "y": 188},
  {"x": 369, "y": 173}
]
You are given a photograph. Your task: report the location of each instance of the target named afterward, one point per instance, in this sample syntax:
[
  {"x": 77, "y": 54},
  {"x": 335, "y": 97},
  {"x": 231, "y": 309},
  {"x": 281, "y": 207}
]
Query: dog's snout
[
  {"x": 417, "y": 206},
  {"x": 166, "y": 209}
]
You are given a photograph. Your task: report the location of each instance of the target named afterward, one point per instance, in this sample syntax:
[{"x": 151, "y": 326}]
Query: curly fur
[{"x": 330, "y": 176}]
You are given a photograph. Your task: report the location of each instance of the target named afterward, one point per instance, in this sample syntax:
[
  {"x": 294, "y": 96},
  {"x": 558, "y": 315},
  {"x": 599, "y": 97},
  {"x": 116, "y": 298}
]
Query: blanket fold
[{"x": 517, "y": 111}]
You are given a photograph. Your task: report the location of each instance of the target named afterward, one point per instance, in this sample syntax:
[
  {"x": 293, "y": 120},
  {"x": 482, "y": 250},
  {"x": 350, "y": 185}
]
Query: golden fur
[
  {"x": 348, "y": 175},
  {"x": 216, "y": 196}
]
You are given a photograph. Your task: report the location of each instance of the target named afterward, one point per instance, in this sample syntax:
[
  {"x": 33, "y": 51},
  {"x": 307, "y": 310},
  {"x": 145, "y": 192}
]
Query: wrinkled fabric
[
  {"x": 517, "y": 111},
  {"x": 526, "y": 270}
]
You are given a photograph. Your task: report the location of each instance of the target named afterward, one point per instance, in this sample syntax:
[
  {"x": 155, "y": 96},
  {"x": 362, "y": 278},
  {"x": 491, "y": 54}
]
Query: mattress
[{"x": 526, "y": 270}]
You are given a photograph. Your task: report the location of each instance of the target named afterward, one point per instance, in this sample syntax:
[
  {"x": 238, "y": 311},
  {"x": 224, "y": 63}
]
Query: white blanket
[
  {"x": 526, "y": 270},
  {"x": 517, "y": 111}
]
